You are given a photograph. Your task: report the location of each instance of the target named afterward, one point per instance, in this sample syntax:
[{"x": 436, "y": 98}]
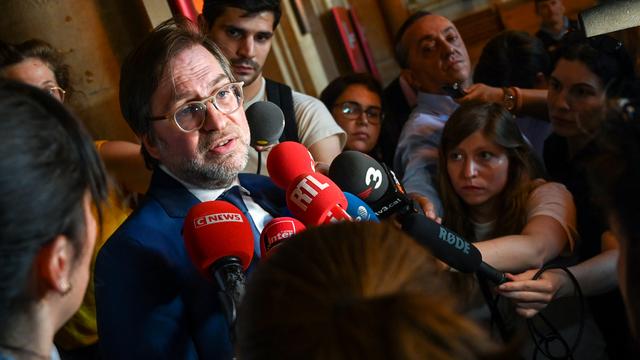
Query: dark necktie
[{"x": 233, "y": 196}]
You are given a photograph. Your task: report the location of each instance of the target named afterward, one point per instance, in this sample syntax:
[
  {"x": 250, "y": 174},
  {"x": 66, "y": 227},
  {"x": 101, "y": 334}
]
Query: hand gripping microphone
[
  {"x": 357, "y": 171},
  {"x": 359, "y": 210},
  {"x": 276, "y": 231},
  {"x": 315, "y": 199},
  {"x": 287, "y": 161},
  {"x": 372, "y": 182},
  {"x": 219, "y": 241},
  {"x": 266, "y": 123},
  {"x": 449, "y": 247}
]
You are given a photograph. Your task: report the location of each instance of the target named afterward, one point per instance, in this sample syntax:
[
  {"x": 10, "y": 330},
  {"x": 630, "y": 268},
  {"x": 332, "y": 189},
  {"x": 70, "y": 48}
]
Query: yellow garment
[{"x": 81, "y": 329}]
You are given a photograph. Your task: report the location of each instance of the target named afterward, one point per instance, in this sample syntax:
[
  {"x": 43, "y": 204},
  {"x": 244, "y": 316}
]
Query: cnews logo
[{"x": 216, "y": 218}]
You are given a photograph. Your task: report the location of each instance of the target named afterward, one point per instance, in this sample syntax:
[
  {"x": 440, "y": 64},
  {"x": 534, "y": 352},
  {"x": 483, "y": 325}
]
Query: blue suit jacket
[{"x": 152, "y": 303}]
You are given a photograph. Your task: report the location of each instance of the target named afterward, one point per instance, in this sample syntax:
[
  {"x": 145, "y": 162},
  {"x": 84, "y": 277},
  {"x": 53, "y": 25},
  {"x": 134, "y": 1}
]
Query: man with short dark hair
[
  {"x": 553, "y": 23},
  {"x": 243, "y": 29},
  {"x": 178, "y": 94}
]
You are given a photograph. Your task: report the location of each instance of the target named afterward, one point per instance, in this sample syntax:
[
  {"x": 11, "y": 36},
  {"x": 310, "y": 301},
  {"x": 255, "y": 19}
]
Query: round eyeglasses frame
[
  {"x": 203, "y": 106},
  {"x": 359, "y": 110}
]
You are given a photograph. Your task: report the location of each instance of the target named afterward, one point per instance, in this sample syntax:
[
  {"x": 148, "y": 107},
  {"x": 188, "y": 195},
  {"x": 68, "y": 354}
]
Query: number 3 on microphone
[{"x": 373, "y": 175}]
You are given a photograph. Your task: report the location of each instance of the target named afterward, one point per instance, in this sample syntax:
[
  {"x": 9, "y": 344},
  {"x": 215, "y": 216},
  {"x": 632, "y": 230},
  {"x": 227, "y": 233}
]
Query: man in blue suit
[{"x": 178, "y": 94}]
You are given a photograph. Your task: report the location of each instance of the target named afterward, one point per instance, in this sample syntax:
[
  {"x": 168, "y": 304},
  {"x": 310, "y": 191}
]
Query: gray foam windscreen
[
  {"x": 610, "y": 16},
  {"x": 266, "y": 123}
]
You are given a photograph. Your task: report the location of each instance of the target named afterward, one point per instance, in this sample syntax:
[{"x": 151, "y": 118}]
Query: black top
[
  {"x": 396, "y": 113},
  {"x": 608, "y": 309}
]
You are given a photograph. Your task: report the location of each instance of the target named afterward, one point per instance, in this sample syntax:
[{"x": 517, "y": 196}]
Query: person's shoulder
[{"x": 549, "y": 189}]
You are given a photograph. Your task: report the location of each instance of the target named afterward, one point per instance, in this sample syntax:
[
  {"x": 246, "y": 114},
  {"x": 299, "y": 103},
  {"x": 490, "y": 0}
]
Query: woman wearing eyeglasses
[
  {"x": 586, "y": 74},
  {"x": 37, "y": 63},
  {"x": 355, "y": 103}
]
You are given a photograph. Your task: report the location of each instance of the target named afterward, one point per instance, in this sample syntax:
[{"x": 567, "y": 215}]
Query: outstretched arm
[{"x": 595, "y": 276}]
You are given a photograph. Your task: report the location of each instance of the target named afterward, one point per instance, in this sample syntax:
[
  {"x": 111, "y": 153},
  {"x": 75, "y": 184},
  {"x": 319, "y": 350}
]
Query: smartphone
[{"x": 454, "y": 90}]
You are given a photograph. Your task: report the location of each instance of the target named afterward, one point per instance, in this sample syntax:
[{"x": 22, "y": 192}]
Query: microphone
[
  {"x": 315, "y": 199},
  {"x": 450, "y": 247},
  {"x": 372, "y": 182},
  {"x": 609, "y": 17},
  {"x": 288, "y": 160},
  {"x": 219, "y": 241},
  {"x": 266, "y": 123},
  {"x": 358, "y": 171},
  {"x": 276, "y": 231},
  {"x": 358, "y": 209}
]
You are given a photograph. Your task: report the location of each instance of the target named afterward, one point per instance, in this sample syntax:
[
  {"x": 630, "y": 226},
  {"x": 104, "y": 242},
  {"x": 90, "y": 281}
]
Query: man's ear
[
  {"x": 150, "y": 144},
  {"x": 541, "y": 81},
  {"x": 53, "y": 266},
  {"x": 407, "y": 74},
  {"x": 203, "y": 25}
]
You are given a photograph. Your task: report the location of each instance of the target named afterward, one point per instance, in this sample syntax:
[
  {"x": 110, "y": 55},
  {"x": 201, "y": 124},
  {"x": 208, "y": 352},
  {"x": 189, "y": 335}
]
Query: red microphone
[
  {"x": 288, "y": 160},
  {"x": 315, "y": 199},
  {"x": 276, "y": 231},
  {"x": 219, "y": 241}
]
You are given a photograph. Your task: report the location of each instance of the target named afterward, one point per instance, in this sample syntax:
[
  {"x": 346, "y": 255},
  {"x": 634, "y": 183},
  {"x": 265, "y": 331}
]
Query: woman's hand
[
  {"x": 531, "y": 296},
  {"x": 426, "y": 205},
  {"x": 482, "y": 92}
]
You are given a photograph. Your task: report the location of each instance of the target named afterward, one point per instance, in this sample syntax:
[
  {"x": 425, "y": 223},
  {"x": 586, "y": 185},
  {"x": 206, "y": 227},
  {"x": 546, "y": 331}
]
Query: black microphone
[
  {"x": 362, "y": 175},
  {"x": 266, "y": 123},
  {"x": 373, "y": 182},
  {"x": 449, "y": 247}
]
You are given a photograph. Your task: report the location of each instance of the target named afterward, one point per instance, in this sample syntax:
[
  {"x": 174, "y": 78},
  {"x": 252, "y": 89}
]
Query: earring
[{"x": 66, "y": 288}]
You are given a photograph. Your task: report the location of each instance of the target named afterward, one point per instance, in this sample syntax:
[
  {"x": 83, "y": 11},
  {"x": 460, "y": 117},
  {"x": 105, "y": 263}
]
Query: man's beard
[
  {"x": 257, "y": 70},
  {"x": 212, "y": 174}
]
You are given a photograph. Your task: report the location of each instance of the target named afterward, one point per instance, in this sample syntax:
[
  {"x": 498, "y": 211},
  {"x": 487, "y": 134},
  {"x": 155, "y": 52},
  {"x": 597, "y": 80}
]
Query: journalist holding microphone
[{"x": 178, "y": 94}]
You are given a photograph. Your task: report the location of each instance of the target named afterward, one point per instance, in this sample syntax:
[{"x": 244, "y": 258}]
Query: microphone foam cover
[
  {"x": 216, "y": 229},
  {"x": 266, "y": 123},
  {"x": 359, "y": 174},
  {"x": 276, "y": 231},
  {"x": 359, "y": 210},
  {"x": 443, "y": 243},
  {"x": 286, "y": 161},
  {"x": 312, "y": 196}
]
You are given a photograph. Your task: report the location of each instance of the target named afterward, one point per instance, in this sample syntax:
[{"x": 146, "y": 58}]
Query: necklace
[{"x": 31, "y": 353}]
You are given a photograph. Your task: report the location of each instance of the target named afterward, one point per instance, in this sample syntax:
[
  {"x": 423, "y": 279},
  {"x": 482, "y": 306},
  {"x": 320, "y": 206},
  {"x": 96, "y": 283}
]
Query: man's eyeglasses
[
  {"x": 190, "y": 116},
  {"x": 56, "y": 91},
  {"x": 353, "y": 111}
]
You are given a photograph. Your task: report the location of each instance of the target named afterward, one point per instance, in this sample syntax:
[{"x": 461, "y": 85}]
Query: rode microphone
[
  {"x": 288, "y": 160},
  {"x": 266, "y": 123},
  {"x": 372, "y": 182},
  {"x": 449, "y": 247},
  {"x": 359, "y": 210},
  {"x": 219, "y": 241},
  {"x": 276, "y": 231},
  {"x": 315, "y": 199}
]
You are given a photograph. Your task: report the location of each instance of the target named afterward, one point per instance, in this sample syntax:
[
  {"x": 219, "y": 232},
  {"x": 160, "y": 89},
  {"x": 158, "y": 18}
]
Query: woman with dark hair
[
  {"x": 586, "y": 73},
  {"x": 50, "y": 177},
  {"x": 354, "y": 291},
  {"x": 517, "y": 59},
  {"x": 355, "y": 101},
  {"x": 37, "y": 63}
]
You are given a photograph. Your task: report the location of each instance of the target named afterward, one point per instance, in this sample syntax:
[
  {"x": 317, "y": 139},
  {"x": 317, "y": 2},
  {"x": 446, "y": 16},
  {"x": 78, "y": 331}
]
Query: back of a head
[
  {"x": 615, "y": 178},
  {"x": 211, "y": 9},
  {"x": 336, "y": 87},
  {"x": 512, "y": 58},
  {"x": 353, "y": 290},
  {"x": 47, "y": 165}
]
